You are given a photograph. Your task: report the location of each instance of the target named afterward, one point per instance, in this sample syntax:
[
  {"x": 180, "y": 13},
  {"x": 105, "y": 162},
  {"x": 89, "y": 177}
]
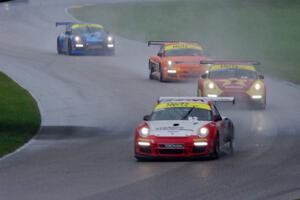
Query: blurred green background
[{"x": 263, "y": 30}]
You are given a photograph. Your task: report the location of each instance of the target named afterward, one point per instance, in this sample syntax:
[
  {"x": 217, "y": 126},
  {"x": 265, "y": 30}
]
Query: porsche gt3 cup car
[
  {"x": 81, "y": 38},
  {"x": 184, "y": 127},
  {"x": 233, "y": 78},
  {"x": 176, "y": 61}
]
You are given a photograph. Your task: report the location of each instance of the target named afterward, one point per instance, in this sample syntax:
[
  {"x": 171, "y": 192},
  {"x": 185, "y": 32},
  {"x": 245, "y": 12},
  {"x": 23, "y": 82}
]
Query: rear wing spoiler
[
  {"x": 196, "y": 99},
  {"x": 229, "y": 62},
  {"x": 159, "y": 43},
  {"x": 63, "y": 23}
]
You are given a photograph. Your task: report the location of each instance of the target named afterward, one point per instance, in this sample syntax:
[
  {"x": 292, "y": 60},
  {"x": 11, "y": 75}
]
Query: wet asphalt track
[{"x": 90, "y": 106}]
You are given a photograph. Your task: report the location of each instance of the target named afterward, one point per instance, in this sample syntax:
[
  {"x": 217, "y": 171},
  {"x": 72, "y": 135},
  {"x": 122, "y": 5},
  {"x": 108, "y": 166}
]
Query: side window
[
  {"x": 161, "y": 50},
  {"x": 215, "y": 110},
  {"x": 68, "y": 31}
]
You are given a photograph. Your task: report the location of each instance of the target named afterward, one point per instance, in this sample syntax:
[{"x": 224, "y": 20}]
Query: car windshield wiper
[{"x": 188, "y": 113}]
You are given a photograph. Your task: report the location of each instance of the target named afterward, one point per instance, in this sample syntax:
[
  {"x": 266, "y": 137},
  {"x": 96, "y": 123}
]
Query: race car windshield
[
  {"x": 183, "y": 52},
  {"x": 232, "y": 73},
  {"x": 87, "y": 29},
  {"x": 181, "y": 114}
]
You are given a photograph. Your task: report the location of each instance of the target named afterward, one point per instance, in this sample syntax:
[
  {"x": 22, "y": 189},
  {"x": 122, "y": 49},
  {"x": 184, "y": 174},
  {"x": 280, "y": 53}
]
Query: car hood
[
  {"x": 95, "y": 37},
  {"x": 234, "y": 83},
  {"x": 176, "y": 128}
]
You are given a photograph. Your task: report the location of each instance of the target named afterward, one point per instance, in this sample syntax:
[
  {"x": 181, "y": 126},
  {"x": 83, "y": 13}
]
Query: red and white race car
[{"x": 184, "y": 127}]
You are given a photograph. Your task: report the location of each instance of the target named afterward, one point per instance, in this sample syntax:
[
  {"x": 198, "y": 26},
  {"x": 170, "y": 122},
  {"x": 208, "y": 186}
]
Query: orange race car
[
  {"x": 176, "y": 61},
  {"x": 233, "y": 78}
]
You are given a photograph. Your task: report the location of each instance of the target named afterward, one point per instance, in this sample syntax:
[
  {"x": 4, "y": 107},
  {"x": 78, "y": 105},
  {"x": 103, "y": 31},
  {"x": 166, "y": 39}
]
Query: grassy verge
[
  {"x": 19, "y": 115},
  {"x": 265, "y": 30}
]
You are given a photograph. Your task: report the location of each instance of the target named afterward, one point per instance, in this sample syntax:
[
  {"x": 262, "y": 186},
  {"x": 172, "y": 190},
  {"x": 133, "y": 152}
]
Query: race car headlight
[
  {"x": 109, "y": 38},
  {"x": 211, "y": 85},
  {"x": 203, "y": 132},
  {"x": 170, "y": 63},
  {"x": 77, "y": 39},
  {"x": 144, "y": 131},
  {"x": 257, "y": 86}
]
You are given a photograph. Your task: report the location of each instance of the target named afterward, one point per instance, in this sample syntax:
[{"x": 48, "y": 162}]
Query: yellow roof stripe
[
  {"x": 227, "y": 66},
  {"x": 169, "y": 47},
  {"x": 182, "y": 105},
  {"x": 74, "y": 26}
]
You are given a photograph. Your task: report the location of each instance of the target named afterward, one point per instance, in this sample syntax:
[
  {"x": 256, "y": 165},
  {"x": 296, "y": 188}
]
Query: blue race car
[{"x": 83, "y": 38}]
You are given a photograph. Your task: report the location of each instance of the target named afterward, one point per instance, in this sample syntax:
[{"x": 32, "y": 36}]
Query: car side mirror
[
  {"x": 204, "y": 76},
  {"x": 217, "y": 118},
  {"x": 260, "y": 76},
  {"x": 146, "y": 118}
]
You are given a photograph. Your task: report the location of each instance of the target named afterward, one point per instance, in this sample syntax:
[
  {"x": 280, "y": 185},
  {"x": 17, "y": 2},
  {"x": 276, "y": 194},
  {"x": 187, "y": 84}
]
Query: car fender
[
  {"x": 155, "y": 60},
  {"x": 228, "y": 129},
  {"x": 213, "y": 132}
]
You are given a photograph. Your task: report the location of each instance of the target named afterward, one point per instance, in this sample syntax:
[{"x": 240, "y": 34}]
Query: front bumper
[
  {"x": 173, "y": 147},
  {"x": 240, "y": 97},
  {"x": 183, "y": 74},
  {"x": 246, "y": 98},
  {"x": 92, "y": 48}
]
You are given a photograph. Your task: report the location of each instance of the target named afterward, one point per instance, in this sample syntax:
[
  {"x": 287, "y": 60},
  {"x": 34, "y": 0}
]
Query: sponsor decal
[
  {"x": 243, "y": 67},
  {"x": 169, "y": 47},
  {"x": 183, "y": 105},
  {"x": 234, "y": 83},
  {"x": 180, "y": 128},
  {"x": 74, "y": 26}
]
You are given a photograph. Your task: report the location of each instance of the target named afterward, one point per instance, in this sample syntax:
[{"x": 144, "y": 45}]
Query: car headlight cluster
[
  {"x": 77, "y": 39},
  {"x": 257, "y": 86},
  {"x": 109, "y": 38},
  {"x": 144, "y": 131},
  {"x": 211, "y": 85},
  {"x": 170, "y": 63},
  {"x": 203, "y": 132}
]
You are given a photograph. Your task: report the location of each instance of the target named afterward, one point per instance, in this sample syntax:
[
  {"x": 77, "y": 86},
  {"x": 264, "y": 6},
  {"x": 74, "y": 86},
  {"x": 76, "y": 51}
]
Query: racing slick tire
[
  {"x": 59, "y": 51},
  {"x": 141, "y": 159},
  {"x": 264, "y": 104},
  {"x": 231, "y": 139},
  {"x": 260, "y": 105},
  {"x": 231, "y": 147},
  {"x": 151, "y": 76},
  {"x": 70, "y": 47},
  {"x": 216, "y": 152},
  {"x": 161, "y": 75}
]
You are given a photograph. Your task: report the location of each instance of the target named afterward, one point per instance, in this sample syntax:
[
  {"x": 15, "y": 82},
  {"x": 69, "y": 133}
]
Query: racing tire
[
  {"x": 216, "y": 152},
  {"x": 161, "y": 75},
  {"x": 151, "y": 77},
  {"x": 70, "y": 47},
  {"x": 141, "y": 159},
  {"x": 231, "y": 147},
  {"x": 259, "y": 106},
  {"x": 59, "y": 51},
  {"x": 231, "y": 140},
  {"x": 264, "y": 104}
]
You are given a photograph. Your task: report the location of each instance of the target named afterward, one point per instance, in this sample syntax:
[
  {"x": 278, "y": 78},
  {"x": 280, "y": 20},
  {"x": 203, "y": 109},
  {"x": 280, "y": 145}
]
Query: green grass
[
  {"x": 264, "y": 30},
  {"x": 19, "y": 115}
]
